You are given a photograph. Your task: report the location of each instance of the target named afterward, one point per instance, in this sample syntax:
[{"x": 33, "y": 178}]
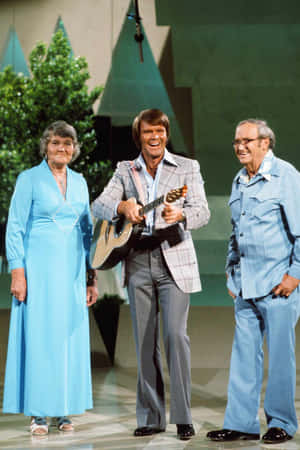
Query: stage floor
[{"x": 111, "y": 423}]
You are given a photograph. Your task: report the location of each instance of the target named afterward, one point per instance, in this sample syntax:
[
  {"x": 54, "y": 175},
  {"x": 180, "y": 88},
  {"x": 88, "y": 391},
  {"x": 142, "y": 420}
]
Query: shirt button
[
  {"x": 241, "y": 234},
  {"x": 243, "y": 213},
  {"x": 242, "y": 255}
]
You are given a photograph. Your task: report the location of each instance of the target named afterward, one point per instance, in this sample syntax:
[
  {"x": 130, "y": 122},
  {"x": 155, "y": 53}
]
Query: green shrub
[{"x": 57, "y": 90}]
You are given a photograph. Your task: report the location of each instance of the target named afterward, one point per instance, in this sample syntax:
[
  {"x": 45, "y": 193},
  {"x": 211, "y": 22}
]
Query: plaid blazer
[{"x": 178, "y": 249}]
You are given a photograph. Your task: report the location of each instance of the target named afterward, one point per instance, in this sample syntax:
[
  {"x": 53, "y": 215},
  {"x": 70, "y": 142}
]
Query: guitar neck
[{"x": 158, "y": 201}]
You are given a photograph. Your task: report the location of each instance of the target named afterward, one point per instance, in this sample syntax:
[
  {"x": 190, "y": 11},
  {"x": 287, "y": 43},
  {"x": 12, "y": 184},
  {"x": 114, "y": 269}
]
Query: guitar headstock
[{"x": 175, "y": 194}]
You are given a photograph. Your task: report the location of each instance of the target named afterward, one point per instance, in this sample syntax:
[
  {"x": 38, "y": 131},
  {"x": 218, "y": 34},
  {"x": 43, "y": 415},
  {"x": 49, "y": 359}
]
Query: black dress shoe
[
  {"x": 146, "y": 431},
  {"x": 275, "y": 435},
  {"x": 231, "y": 435},
  {"x": 185, "y": 431}
]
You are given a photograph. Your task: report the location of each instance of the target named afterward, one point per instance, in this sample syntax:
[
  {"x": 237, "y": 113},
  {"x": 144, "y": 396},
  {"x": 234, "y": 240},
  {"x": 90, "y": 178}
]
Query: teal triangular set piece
[
  {"x": 133, "y": 85},
  {"x": 60, "y": 26},
  {"x": 12, "y": 54}
]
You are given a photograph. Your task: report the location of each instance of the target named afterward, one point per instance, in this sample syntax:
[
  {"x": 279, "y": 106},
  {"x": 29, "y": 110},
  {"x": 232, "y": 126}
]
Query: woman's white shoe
[
  {"x": 63, "y": 423},
  {"x": 38, "y": 426}
]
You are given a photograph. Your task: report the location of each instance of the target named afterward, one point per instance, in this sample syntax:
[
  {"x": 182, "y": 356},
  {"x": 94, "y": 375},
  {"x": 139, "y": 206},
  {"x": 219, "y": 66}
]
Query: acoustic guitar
[{"x": 112, "y": 240}]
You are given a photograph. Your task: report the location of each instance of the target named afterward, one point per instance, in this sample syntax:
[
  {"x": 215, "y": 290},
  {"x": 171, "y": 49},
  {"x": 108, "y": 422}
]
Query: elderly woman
[{"x": 48, "y": 239}]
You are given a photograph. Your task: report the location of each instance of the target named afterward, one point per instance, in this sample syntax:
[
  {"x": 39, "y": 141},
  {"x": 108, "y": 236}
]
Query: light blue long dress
[{"x": 48, "y": 361}]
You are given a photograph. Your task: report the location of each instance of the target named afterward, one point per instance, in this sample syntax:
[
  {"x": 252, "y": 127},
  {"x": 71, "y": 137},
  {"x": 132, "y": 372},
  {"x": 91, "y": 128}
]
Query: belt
[
  {"x": 169, "y": 234},
  {"x": 147, "y": 243}
]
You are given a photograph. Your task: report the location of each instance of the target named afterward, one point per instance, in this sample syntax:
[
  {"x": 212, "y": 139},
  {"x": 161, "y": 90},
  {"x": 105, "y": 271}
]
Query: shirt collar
[
  {"x": 266, "y": 166},
  {"x": 168, "y": 158},
  {"x": 266, "y": 169}
]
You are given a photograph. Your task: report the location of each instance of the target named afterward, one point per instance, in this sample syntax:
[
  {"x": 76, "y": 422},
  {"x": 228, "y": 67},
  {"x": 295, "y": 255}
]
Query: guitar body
[{"x": 112, "y": 242}]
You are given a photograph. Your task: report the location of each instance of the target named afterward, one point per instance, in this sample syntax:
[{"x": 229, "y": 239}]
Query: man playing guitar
[{"x": 161, "y": 268}]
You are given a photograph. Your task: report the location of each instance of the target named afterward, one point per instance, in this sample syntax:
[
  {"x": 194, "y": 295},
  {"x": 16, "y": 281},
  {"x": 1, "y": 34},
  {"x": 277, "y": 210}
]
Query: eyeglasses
[{"x": 244, "y": 141}]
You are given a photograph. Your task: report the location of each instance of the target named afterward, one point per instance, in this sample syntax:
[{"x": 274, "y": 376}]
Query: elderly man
[
  {"x": 161, "y": 268},
  {"x": 263, "y": 272}
]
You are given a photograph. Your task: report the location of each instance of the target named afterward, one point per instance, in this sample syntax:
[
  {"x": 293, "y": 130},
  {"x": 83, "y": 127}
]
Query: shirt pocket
[{"x": 265, "y": 206}]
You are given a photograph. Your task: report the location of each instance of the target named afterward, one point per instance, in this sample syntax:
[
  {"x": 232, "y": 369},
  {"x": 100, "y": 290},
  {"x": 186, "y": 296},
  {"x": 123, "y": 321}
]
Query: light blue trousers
[{"x": 276, "y": 319}]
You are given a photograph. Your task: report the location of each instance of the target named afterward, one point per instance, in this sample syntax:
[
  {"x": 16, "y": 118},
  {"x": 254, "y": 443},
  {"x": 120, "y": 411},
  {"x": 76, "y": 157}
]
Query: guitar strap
[{"x": 138, "y": 182}]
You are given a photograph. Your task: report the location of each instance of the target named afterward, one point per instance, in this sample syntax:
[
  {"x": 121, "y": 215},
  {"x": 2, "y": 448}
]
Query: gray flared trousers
[{"x": 152, "y": 290}]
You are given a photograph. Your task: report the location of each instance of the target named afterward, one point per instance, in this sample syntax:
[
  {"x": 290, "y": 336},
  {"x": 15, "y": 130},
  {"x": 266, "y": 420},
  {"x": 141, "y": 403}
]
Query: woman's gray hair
[
  {"x": 62, "y": 129},
  {"x": 264, "y": 131}
]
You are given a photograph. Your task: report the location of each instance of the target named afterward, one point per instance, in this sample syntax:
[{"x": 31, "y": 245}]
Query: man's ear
[{"x": 265, "y": 143}]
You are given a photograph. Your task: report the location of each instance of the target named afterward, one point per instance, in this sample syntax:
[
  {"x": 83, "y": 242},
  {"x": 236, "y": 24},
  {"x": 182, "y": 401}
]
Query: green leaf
[{"x": 56, "y": 90}]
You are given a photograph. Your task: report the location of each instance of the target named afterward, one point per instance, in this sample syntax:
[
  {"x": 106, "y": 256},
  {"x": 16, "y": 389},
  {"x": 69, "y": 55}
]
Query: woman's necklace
[{"x": 61, "y": 180}]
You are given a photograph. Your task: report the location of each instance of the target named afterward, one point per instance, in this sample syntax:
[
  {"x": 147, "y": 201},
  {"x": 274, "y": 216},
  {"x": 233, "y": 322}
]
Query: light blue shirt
[
  {"x": 152, "y": 184},
  {"x": 265, "y": 240}
]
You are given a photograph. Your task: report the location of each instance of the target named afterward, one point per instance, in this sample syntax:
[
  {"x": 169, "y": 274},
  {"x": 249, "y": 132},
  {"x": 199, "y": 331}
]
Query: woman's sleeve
[
  {"x": 86, "y": 226},
  {"x": 19, "y": 212}
]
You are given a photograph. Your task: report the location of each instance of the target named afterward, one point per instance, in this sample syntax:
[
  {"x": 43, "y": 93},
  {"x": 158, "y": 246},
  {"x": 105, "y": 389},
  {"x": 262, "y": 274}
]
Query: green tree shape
[{"x": 57, "y": 90}]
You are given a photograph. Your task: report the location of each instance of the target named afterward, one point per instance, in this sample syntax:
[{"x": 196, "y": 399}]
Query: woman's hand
[
  {"x": 18, "y": 286},
  {"x": 92, "y": 294}
]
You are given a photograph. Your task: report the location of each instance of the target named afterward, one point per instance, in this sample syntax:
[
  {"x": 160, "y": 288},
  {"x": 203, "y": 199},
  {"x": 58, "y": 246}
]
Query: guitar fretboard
[{"x": 151, "y": 205}]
